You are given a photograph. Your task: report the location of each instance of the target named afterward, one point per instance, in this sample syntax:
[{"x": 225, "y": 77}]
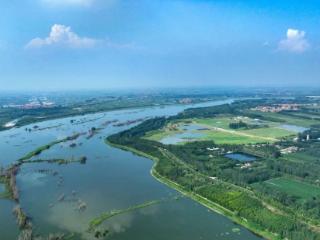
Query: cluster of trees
[
  {"x": 280, "y": 196},
  {"x": 250, "y": 208},
  {"x": 299, "y": 169},
  {"x": 238, "y": 125},
  {"x": 241, "y": 124},
  {"x": 263, "y": 150},
  {"x": 312, "y": 207},
  {"x": 313, "y": 133}
]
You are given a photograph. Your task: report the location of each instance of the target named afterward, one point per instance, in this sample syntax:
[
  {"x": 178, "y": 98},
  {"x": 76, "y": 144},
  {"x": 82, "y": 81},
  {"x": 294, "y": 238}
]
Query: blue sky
[{"x": 103, "y": 44}]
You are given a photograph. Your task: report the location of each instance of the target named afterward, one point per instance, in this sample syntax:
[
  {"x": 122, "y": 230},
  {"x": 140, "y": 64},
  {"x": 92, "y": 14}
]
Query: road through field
[{"x": 238, "y": 133}]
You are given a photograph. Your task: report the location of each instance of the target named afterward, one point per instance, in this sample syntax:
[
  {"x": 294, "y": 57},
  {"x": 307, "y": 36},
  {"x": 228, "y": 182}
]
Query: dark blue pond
[{"x": 241, "y": 157}]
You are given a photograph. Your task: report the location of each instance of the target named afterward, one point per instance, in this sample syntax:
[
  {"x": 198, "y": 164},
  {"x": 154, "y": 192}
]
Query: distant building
[
  {"x": 289, "y": 150},
  {"x": 277, "y": 108},
  {"x": 212, "y": 149},
  {"x": 185, "y": 101},
  {"x": 33, "y": 103},
  {"x": 246, "y": 165}
]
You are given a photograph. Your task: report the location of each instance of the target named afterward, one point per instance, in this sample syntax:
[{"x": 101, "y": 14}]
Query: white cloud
[
  {"x": 266, "y": 44},
  {"x": 295, "y": 41},
  {"x": 61, "y": 35},
  {"x": 68, "y": 2}
]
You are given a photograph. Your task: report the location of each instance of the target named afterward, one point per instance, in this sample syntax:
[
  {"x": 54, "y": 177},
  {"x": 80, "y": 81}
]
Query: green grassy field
[
  {"x": 257, "y": 135},
  {"x": 289, "y": 119},
  {"x": 160, "y": 134},
  {"x": 299, "y": 157},
  {"x": 220, "y": 133},
  {"x": 272, "y": 132},
  {"x": 221, "y": 122},
  {"x": 229, "y": 138},
  {"x": 308, "y": 115},
  {"x": 294, "y": 187}
]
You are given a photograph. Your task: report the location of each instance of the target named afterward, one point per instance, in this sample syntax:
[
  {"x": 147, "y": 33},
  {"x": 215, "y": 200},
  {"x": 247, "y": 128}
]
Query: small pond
[
  {"x": 181, "y": 137},
  {"x": 242, "y": 157},
  {"x": 190, "y": 127}
]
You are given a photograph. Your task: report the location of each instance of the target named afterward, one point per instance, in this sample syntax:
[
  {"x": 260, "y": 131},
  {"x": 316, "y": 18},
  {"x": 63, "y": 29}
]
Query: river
[{"x": 110, "y": 179}]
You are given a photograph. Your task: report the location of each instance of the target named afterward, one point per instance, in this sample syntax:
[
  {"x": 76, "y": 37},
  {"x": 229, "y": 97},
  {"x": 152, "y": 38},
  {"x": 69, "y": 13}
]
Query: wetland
[{"x": 70, "y": 196}]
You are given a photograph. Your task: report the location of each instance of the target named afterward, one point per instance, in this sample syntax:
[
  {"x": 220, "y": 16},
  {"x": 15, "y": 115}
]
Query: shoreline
[
  {"x": 39, "y": 120},
  {"x": 196, "y": 197}
]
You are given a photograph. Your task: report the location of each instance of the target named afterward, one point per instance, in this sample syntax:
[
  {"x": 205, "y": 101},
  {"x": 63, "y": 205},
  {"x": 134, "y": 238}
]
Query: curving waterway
[{"x": 111, "y": 179}]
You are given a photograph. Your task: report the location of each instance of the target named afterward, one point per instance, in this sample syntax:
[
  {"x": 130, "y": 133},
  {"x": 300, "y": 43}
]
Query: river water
[{"x": 111, "y": 179}]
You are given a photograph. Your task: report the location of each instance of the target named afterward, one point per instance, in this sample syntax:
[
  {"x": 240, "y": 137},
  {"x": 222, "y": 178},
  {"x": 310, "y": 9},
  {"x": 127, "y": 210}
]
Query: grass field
[
  {"x": 218, "y": 130},
  {"x": 289, "y": 119},
  {"x": 300, "y": 157},
  {"x": 308, "y": 115},
  {"x": 221, "y": 122},
  {"x": 272, "y": 132},
  {"x": 294, "y": 187},
  {"x": 160, "y": 134},
  {"x": 229, "y": 138}
]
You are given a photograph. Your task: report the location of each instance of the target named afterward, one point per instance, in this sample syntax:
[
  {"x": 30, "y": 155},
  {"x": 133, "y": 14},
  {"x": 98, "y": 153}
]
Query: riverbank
[
  {"x": 196, "y": 197},
  {"x": 40, "y": 149},
  {"x": 11, "y": 191},
  {"x": 16, "y": 119}
]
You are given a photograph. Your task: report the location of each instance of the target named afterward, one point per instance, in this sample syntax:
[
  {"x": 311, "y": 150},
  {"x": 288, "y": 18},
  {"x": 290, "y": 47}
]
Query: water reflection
[{"x": 111, "y": 179}]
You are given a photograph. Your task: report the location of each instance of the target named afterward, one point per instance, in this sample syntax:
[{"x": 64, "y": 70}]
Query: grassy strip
[
  {"x": 294, "y": 187},
  {"x": 21, "y": 216},
  {"x": 107, "y": 215},
  {"x": 39, "y": 150},
  {"x": 8, "y": 178},
  {"x": 59, "y": 161},
  {"x": 50, "y": 127},
  {"x": 198, "y": 198},
  {"x": 6, "y": 194}
]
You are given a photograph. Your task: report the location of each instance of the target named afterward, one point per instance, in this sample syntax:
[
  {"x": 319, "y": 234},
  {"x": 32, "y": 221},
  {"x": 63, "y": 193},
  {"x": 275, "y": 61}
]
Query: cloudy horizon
[{"x": 95, "y": 44}]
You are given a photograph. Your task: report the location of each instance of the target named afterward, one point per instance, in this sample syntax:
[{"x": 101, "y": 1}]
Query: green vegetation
[
  {"x": 225, "y": 130},
  {"x": 160, "y": 134},
  {"x": 21, "y": 216},
  {"x": 276, "y": 196},
  {"x": 107, "y": 215},
  {"x": 40, "y": 149},
  {"x": 6, "y": 194},
  {"x": 8, "y": 179},
  {"x": 220, "y": 137},
  {"x": 271, "y": 132},
  {"x": 294, "y": 187},
  {"x": 283, "y": 118},
  {"x": 220, "y": 122},
  {"x": 59, "y": 161}
]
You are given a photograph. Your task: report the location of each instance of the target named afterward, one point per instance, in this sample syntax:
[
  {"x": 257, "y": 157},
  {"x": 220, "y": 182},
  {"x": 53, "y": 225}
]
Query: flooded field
[{"x": 64, "y": 198}]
